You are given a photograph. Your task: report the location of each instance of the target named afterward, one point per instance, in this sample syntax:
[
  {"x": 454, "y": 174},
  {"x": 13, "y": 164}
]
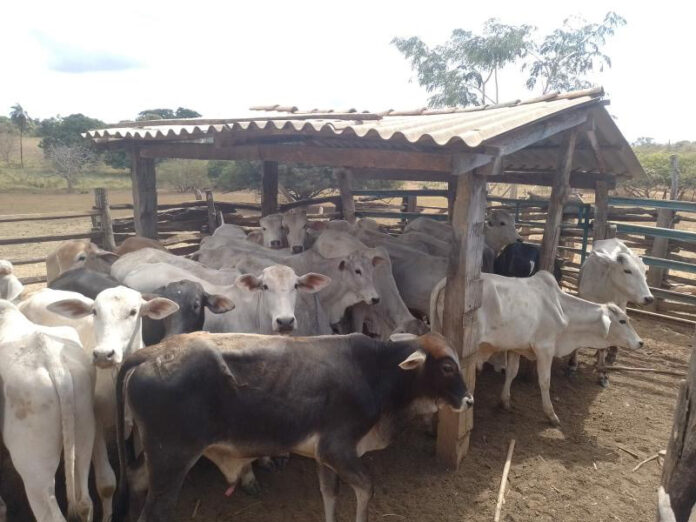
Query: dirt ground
[{"x": 575, "y": 473}]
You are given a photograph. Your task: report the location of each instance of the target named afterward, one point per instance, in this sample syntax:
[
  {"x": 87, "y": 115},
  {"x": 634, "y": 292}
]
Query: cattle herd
[{"x": 313, "y": 338}]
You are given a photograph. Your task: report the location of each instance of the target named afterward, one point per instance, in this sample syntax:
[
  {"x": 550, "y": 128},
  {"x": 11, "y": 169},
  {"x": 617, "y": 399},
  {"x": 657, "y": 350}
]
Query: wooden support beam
[
  {"x": 601, "y": 210},
  {"x": 144, "y": 183},
  {"x": 401, "y": 174},
  {"x": 451, "y": 194},
  {"x": 583, "y": 180},
  {"x": 678, "y": 477},
  {"x": 559, "y": 196},
  {"x": 269, "y": 195},
  {"x": 101, "y": 199},
  {"x": 345, "y": 188},
  {"x": 462, "y": 298}
]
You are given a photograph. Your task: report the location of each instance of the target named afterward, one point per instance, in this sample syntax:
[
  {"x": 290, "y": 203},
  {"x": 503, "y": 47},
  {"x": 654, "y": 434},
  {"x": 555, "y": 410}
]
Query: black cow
[
  {"x": 522, "y": 260},
  {"x": 331, "y": 398},
  {"x": 190, "y": 297}
]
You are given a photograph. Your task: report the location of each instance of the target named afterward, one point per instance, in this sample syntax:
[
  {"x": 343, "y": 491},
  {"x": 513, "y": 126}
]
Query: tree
[
  {"x": 7, "y": 139},
  {"x": 459, "y": 71},
  {"x": 20, "y": 119},
  {"x": 655, "y": 159},
  {"x": 564, "y": 58},
  {"x": 166, "y": 114},
  {"x": 70, "y": 161},
  {"x": 184, "y": 175},
  {"x": 66, "y": 130}
]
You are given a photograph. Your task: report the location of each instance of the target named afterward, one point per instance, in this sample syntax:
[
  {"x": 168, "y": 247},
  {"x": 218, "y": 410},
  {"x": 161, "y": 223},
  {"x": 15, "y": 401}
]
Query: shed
[{"x": 560, "y": 140}]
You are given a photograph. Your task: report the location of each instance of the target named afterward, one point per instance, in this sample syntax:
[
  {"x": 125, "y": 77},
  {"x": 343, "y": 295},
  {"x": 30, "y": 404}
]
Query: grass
[{"x": 39, "y": 176}]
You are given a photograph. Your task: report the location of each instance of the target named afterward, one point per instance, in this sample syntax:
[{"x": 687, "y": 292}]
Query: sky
[{"x": 111, "y": 60}]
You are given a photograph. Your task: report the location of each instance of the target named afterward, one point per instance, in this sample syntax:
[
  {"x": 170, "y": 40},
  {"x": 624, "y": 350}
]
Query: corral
[{"x": 561, "y": 141}]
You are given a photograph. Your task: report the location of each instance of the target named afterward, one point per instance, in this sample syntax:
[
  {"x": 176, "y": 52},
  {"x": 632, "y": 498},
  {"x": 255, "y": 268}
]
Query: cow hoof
[
  {"x": 505, "y": 405},
  {"x": 251, "y": 488},
  {"x": 555, "y": 422},
  {"x": 604, "y": 381}
]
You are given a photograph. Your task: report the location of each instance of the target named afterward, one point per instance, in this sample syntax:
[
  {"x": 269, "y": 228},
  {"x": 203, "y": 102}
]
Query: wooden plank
[
  {"x": 269, "y": 193},
  {"x": 583, "y": 180},
  {"x": 462, "y": 298},
  {"x": 402, "y": 174},
  {"x": 309, "y": 202},
  {"x": 45, "y": 239},
  {"x": 14, "y": 218},
  {"x": 344, "y": 179},
  {"x": 143, "y": 179},
  {"x": 678, "y": 477},
  {"x": 559, "y": 196},
  {"x": 32, "y": 280},
  {"x": 308, "y": 155},
  {"x": 106, "y": 224},
  {"x": 30, "y": 261}
]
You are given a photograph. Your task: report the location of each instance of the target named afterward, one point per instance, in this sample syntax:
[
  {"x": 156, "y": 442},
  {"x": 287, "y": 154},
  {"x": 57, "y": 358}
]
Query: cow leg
[
  {"x": 166, "y": 473},
  {"x": 328, "y": 485},
  {"x": 601, "y": 366},
  {"x": 572, "y": 363},
  {"x": 611, "y": 354},
  {"x": 84, "y": 449},
  {"x": 353, "y": 472},
  {"x": 544, "y": 361},
  {"x": 104, "y": 475},
  {"x": 511, "y": 368}
]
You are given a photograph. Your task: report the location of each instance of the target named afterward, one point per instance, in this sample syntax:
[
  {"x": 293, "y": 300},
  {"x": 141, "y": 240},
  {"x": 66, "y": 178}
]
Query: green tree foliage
[
  {"x": 20, "y": 119},
  {"x": 166, "y": 114},
  {"x": 184, "y": 175},
  {"x": 65, "y": 130},
  {"x": 459, "y": 71},
  {"x": 302, "y": 182},
  {"x": 655, "y": 159}
]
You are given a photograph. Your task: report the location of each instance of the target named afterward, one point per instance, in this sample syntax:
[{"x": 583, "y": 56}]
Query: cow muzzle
[
  {"x": 104, "y": 358},
  {"x": 467, "y": 402},
  {"x": 297, "y": 249},
  {"x": 284, "y": 325},
  {"x": 648, "y": 300},
  {"x": 276, "y": 244}
]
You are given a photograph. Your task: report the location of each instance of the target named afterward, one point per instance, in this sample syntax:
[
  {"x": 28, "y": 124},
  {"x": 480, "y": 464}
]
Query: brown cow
[{"x": 75, "y": 253}]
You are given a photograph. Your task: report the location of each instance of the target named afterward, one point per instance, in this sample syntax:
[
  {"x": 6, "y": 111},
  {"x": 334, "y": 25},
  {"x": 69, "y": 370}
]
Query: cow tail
[
  {"x": 121, "y": 498},
  {"x": 63, "y": 384},
  {"x": 435, "y": 323}
]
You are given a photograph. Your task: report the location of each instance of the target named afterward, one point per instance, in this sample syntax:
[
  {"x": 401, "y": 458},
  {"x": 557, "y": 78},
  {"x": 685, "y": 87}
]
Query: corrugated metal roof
[{"x": 471, "y": 126}]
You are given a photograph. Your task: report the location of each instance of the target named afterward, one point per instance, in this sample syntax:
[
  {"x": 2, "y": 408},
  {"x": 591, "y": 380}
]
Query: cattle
[
  {"x": 135, "y": 260},
  {"x": 134, "y": 243},
  {"x": 331, "y": 398},
  {"x": 112, "y": 326},
  {"x": 533, "y": 317},
  {"x": 190, "y": 296},
  {"x": 272, "y": 233},
  {"x": 266, "y": 303},
  {"x": 611, "y": 273},
  {"x": 522, "y": 260},
  {"x": 46, "y": 406},
  {"x": 75, "y": 253},
  {"x": 10, "y": 285},
  {"x": 295, "y": 225}
]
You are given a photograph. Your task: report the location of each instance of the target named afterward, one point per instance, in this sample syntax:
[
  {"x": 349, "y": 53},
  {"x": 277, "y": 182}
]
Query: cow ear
[
  {"x": 218, "y": 304},
  {"x": 5, "y": 268},
  {"x": 376, "y": 260},
  {"x": 312, "y": 282},
  {"x": 606, "y": 324},
  {"x": 107, "y": 256},
  {"x": 248, "y": 282},
  {"x": 413, "y": 361},
  {"x": 14, "y": 288},
  {"x": 602, "y": 256},
  {"x": 150, "y": 297},
  {"x": 158, "y": 308},
  {"x": 72, "y": 308}
]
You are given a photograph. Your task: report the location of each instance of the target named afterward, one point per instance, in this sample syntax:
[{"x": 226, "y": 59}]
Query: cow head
[
  {"x": 272, "y": 230},
  {"x": 10, "y": 285},
  {"x": 617, "y": 328},
  {"x": 439, "y": 376},
  {"x": 626, "y": 271},
  {"x": 356, "y": 271},
  {"x": 192, "y": 301},
  {"x": 295, "y": 227},
  {"x": 117, "y": 320},
  {"x": 277, "y": 286},
  {"x": 499, "y": 229}
]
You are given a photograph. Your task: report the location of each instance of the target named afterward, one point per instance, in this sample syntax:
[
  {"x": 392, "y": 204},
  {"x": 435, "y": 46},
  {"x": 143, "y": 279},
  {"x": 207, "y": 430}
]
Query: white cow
[
  {"x": 272, "y": 233},
  {"x": 612, "y": 273},
  {"x": 10, "y": 285},
  {"x": 533, "y": 317},
  {"x": 116, "y": 317},
  {"x": 47, "y": 382},
  {"x": 295, "y": 226},
  {"x": 137, "y": 259}
]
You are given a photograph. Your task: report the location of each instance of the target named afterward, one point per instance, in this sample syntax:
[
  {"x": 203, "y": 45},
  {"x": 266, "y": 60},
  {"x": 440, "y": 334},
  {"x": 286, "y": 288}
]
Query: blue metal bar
[
  {"x": 681, "y": 235},
  {"x": 685, "y": 206},
  {"x": 669, "y": 264}
]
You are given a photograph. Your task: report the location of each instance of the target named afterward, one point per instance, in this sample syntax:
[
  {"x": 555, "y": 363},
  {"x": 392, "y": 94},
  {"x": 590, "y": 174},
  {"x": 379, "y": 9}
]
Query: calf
[
  {"x": 522, "y": 260},
  {"x": 46, "y": 407},
  {"x": 75, "y": 253},
  {"x": 10, "y": 285},
  {"x": 330, "y": 398},
  {"x": 533, "y": 317}
]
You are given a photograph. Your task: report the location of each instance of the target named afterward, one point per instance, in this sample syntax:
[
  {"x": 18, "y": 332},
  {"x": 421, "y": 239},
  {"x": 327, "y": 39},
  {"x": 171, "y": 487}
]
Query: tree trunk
[
  {"x": 71, "y": 184},
  {"x": 21, "y": 149}
]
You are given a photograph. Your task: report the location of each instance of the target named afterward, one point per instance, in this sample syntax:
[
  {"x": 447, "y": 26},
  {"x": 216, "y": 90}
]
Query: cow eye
[
  {"x": 623, "y": 321},
  {"x": 81, "y": 257},
  {"x": 263, "y": 228},
  {"x": 448, "y": 369},
  {"x": 358, "y": 271},
  {"x": 133, "y": 312},
  {"x": 627, "y": 272},
  {"x": 502, "y": 223},
  {"x": 264, "y": 287}
]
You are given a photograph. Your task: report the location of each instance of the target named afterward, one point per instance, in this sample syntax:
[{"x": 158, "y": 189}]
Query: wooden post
[
  {"x": 408, "y": 204},
  {"x": 665, "y": 219},
  {"x": 559, "y": 195},
  {"x": 269, "y": 196},
  {"x": 678, "y": 476},
  {"x": 462, "y": 298},
  {"x": 144, "y": 182},
  {"x": 599, "y": 226},
  {"x": 212, "y": 215},
  {"x": 344, "y": 177},
  {"x": 451, "y": 191},
  {"x": 106, "y": 225}
]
